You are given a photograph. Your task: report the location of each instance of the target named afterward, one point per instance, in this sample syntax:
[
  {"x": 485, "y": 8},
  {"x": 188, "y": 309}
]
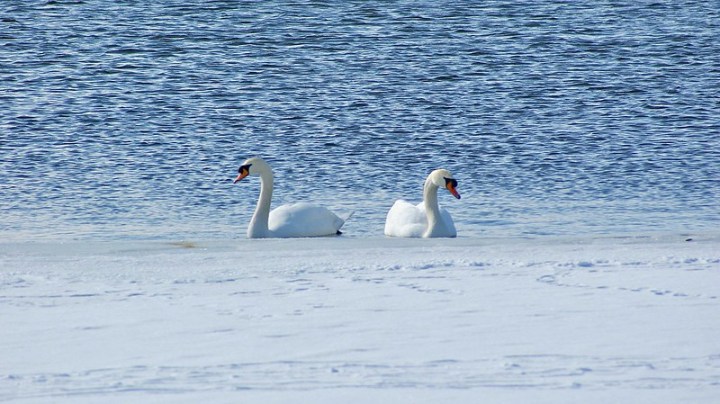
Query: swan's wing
[
  {"x": 303, "y": 220},
  {"x": 405, "y": 220}
]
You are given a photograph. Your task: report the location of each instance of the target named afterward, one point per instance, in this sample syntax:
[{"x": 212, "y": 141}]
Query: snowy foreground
[{"x": 346, "y": 320}]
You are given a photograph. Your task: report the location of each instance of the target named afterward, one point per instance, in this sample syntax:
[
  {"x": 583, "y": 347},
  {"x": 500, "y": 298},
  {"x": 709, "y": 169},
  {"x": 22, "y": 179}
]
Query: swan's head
[
  {"x": 443, "y": 179},
  {"x": 252, "y": 166}
]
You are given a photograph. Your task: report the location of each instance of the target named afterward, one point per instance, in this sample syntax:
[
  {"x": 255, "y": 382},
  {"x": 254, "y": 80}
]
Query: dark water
[{"x": 125, "y": 119}]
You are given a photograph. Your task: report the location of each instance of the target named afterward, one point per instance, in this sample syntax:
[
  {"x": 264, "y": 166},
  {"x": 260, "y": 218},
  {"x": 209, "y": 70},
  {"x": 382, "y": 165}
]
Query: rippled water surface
[{"x": 124, "y": 119}]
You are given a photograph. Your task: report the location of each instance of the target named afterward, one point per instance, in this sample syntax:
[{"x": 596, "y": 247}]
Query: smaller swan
[
  {"x": 295, "y": 220},
  {"x": 426, "y": 219}
]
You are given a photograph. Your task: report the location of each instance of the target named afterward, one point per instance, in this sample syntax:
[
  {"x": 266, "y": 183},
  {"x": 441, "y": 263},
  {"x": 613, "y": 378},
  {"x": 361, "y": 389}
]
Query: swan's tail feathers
[
  {"x": 342, "y": 221},
  {"x": 348, "y": 216}
]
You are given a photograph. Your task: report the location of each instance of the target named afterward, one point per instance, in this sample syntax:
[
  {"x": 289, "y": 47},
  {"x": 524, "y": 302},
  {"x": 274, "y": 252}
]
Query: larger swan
[
  {"x": 296, "y": 220},
  {"x": 426, "y": 219}
]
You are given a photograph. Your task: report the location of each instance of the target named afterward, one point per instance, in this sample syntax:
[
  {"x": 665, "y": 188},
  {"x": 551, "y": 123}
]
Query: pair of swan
[{"x": 426, "y": 219}]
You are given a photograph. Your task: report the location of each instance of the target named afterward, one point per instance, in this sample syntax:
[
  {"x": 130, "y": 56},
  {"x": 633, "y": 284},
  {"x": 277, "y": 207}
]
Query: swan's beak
[
  {"x": 450, "y": 185},
  {"x": 240, "y": 176},
  {"x": 242, "y": 173}
]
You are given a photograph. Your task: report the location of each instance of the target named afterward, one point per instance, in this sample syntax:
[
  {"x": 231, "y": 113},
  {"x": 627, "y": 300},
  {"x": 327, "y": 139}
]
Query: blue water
[{"x": 125, "y": 119}]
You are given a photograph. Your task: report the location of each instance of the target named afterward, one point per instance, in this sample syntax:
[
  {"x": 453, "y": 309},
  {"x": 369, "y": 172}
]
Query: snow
[{"x": 357, "y": 320}]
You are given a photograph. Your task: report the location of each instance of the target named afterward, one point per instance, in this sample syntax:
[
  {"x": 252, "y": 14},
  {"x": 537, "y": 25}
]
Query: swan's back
[
  {"x": 304, "y": 220},
  {"x": 406, "y": 220}
]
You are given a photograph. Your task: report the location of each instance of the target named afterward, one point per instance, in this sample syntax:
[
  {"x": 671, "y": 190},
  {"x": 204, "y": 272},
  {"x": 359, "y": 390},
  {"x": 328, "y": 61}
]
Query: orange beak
[
  {"x": 243, "y": 174},
  {"x": 452, "y": 190}
]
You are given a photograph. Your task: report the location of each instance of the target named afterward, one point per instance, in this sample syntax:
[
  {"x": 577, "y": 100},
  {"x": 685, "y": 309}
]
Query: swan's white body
[
  {"x": 425, "y": 219},
  {"x": 295, "y": 220}
]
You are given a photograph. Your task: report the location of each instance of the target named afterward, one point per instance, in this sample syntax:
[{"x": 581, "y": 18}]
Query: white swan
[
  {"x": 296, "y": 220},
  {"x": 426, "y": 219}
]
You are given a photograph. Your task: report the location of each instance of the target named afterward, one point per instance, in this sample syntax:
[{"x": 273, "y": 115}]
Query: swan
[
  {"x": 295, "y": 220},
  {"x": 426, "y": 219}
]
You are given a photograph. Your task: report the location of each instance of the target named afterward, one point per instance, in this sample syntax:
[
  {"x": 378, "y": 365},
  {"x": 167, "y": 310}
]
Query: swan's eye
[
  {"x": 450, "y": 181},
  {"x": 244, "y": 169}
]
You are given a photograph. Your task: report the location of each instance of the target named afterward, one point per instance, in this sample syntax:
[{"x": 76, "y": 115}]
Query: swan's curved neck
[
  {"x": 432, "y": 210},
  {"x": 258, "y": 227}
]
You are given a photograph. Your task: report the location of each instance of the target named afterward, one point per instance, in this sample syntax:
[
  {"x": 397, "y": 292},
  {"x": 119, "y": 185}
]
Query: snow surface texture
[{"x": 362, "y": 320}]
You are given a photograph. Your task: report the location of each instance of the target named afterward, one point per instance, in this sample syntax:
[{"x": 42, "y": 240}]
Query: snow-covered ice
[{"x": 626, "y": 319}]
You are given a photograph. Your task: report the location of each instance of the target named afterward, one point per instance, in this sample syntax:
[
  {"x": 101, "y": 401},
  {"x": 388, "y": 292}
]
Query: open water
[{"x": 127, "y": 119}]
